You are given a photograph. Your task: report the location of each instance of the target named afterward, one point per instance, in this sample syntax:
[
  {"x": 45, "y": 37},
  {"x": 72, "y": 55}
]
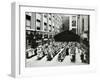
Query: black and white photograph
[{"x": 56, "y": 39}]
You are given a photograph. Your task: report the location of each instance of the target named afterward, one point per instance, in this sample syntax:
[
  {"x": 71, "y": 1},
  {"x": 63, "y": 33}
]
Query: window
[
  {"x": 38, "y": 25},
  {"x": 73, "y": 20},
  {"x": 49, "y": 18},
  {"x": 38, "y": 28},
  {"x": 28, "y": 21},
  {"x": 45, "y": 15},
  {"x": 28, "y": 17},
  {"x": 38, "y": 20},
  {"x": 45, "y": 23},
  {"x": 49, "y": 25}
]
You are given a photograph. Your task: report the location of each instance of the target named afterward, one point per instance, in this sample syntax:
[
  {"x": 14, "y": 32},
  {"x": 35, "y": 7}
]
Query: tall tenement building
[
  {"x": 43, "y": 25},
  {"x": 45, "y": 22}
]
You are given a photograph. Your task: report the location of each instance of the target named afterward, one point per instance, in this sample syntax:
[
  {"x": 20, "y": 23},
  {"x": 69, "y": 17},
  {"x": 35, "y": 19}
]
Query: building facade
[
  {"x": 43, "y": 26},
  {"x": 78, "y": 24}
]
